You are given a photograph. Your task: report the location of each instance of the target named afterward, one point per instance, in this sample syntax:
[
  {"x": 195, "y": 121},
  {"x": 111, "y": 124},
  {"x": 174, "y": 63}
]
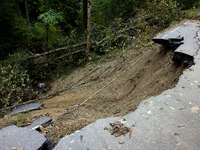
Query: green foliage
[
  {"x": 37, "y": 37},
  {"x": 157, "y": 15},
  {"x": 21, "y": 34},
  {"x": 19, "y": 120},
  {"x": 22, "y": 37},
  {"x": 188, "y": 4},
  {"x": 67, "y": 12},
  {"x": 13, "y": 78},
  {"x": 192, "y": 13},
  {"x": 50, "y": 17},
  {"x": 163, "y": 12},
  {"x": 104, "y": 11},
  {"x": 153, "y": 15},
  {"x": 8, "y": 12},
  {"x": 15, "y": 34}
]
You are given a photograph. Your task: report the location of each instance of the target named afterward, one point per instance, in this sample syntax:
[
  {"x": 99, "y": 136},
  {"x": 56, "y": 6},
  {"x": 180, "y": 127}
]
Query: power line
[{"x": 113, "y": 79}]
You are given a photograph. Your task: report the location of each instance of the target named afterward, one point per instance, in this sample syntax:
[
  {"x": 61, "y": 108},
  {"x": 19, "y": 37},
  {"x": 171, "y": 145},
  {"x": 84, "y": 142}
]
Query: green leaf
[{"x": 50, "y": 17}]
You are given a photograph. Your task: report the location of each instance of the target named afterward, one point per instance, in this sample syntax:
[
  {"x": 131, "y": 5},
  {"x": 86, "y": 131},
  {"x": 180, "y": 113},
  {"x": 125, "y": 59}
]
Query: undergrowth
[{"x": 19, "y": 120}]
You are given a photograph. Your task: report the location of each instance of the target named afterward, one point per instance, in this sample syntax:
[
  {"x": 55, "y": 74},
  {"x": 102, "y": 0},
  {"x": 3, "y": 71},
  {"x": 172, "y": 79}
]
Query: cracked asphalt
[{"x": 170, "y": 120}]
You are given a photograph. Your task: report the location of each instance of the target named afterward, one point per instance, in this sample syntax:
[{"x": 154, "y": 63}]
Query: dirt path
[{"x": 154, "y": 73}]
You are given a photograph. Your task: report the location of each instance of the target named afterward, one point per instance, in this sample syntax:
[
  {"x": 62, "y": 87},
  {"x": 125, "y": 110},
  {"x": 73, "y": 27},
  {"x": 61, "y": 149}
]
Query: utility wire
[{"x": 113, "y": 79}]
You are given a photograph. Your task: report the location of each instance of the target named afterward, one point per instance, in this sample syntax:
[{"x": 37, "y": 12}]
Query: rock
[
  {"x": 41, "y": 85},
  {"x": 44, "y": 122},
  {"x": 27, "y": 107},
  {"x": 13, "y": 136},
  {"x": 117, "y": 111}
]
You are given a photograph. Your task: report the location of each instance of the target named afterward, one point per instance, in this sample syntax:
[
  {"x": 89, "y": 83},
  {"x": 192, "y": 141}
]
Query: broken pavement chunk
[
  {"x": 20, "y": 137},
  {"x": 171, "y": 42},
  {"x": 44, "y": 122},
  {"x": 184, "y": 53},
  {"x": 181, "y": 57},
  {"x": 27, "y": 107}
]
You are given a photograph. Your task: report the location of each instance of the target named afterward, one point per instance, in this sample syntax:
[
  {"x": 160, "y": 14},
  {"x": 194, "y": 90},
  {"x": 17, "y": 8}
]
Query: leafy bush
[
  {"x": 153, "y": 16},
  {"x": 13, "y": 78},
  {"x": 162, "y": 12},
  {"x": 187, "y": 4},
  {"x": 105, "y": 11},
  {"x": 36, "y": 38}
]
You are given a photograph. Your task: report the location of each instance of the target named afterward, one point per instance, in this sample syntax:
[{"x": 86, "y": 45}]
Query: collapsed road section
[
  {"x": 168, "y": 121},
  {"x": 183, "y": 39}
]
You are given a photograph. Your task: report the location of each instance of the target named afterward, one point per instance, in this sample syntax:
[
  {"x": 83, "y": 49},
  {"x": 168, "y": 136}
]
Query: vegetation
[
  {"x": 19, "y": 120},
  {"x": 34, "y": 27}
]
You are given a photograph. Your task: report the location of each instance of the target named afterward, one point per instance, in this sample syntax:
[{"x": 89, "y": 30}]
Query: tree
[
  {"x": 49, "y": 18},
  {"x": 89, "y": 26},
  {"x": 9, "y": 11},
  {"x": 27, "y": 15},
  {"x": 85, "y": 14},
  {"x": 105, "y": 11}
]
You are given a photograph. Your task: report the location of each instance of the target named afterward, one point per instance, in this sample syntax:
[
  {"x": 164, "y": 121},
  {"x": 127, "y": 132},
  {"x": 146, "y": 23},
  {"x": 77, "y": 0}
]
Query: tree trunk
[
  {"x": 27, "y": 16},
  {"x": 89, "y": 27},
  {"x": 46, "y": 49},
  {"x": 19, "y": 9},
  {"x": 85, "y": 14},
  {"x": 46, "y": 39}
]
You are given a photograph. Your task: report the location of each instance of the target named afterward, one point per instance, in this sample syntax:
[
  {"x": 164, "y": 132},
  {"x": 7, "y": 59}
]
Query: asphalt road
[{"x": 168, "y": 121}]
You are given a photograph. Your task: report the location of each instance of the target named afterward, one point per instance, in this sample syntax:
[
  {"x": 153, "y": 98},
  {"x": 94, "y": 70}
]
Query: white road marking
[{"x": 174, "y": 30}]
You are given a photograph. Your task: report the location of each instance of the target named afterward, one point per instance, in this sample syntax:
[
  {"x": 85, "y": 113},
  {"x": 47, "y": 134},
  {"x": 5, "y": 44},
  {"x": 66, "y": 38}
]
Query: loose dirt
[{"x": 154, "y": 73}]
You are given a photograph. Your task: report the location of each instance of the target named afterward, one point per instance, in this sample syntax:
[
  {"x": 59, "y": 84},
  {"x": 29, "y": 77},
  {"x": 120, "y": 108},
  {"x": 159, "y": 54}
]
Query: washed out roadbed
[{"x": 154, "y": 73}]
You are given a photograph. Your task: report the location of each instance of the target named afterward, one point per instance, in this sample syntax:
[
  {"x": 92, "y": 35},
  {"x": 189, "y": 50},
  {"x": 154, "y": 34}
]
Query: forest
[{"x": 40, "y": 37}]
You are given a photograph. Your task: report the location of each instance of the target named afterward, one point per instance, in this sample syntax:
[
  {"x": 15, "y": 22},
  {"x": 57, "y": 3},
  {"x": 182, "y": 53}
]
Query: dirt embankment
[{"x": 154, "y": 73}]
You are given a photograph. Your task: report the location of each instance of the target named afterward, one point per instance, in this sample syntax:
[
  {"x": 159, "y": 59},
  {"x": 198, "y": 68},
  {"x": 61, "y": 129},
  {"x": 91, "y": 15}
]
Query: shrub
[{"x": 13, "y": 78}]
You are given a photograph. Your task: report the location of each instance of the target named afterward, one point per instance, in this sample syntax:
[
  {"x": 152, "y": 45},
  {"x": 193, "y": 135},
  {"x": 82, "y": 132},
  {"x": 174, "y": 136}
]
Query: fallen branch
[
  {"x": 105, "y": 39},
  {"x": 69, "y": 54},
  {"x": 65, "y": 55},
  {"x": 56, "y": 50}
]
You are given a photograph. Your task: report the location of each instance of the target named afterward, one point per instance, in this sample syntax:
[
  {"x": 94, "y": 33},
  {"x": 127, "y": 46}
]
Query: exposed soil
[{"x": 154, "y": 73}]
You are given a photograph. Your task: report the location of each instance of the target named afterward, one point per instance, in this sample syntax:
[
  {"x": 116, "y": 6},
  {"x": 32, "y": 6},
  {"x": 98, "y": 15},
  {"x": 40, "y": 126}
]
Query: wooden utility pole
[{"x": 89, "y": 27}]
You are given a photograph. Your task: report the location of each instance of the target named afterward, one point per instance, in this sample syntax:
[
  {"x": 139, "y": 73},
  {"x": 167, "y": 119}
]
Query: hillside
[{"x": 148, "y": 74}]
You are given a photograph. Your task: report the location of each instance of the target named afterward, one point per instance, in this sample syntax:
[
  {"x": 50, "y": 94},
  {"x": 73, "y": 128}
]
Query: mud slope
[{"x": 154, "y": 73}]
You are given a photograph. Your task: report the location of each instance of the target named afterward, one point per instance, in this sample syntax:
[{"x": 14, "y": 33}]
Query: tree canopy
[{"x": 65, "y": 15}]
